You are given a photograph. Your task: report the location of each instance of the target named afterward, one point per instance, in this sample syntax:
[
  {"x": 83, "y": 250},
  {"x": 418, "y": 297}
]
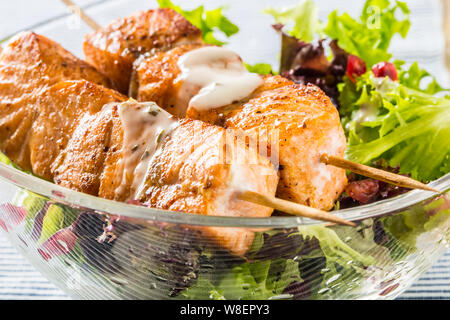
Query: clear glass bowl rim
[{"x": 141, "y": 214}]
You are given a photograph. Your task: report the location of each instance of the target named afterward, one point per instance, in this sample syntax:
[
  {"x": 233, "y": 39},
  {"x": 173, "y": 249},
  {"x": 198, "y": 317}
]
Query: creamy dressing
[
  {"x": 145, "y": 125},
  {"x": 213, "y": 77}
]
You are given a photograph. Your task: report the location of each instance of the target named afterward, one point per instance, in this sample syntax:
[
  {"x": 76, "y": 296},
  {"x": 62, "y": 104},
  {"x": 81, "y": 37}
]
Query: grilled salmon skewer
[
  {"x": 305, "y": 120},
  {"x": 89, "y": 138},
  {"x": 174, "y": 165}
]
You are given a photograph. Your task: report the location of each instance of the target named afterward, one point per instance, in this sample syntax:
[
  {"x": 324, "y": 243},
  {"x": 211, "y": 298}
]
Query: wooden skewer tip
[
  {"x": 374, "y": 173},
  {"x": 291, "y": 207},
  {"x": 80, "y": 12}
]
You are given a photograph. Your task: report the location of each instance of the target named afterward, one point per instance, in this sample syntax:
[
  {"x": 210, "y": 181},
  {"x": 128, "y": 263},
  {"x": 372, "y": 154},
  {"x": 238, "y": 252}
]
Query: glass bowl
[{"x": 94, "y": 248}]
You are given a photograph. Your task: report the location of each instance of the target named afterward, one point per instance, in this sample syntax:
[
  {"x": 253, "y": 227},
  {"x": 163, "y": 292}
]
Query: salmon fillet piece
[
  {"x": 191, "y": 175},
  {"x": 115, "y": 47},
  {"x": 306, "y": 125},
  {"x": 29, "y": 64},
  {"x": 61, "y": 108},
  {"x": 155, "y": 79},
  {"x": 306, "y": 121}
]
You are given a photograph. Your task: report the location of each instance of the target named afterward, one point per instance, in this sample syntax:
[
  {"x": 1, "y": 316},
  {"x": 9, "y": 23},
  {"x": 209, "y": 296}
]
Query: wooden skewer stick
[
  {"x": 291, "y": 207},
  {"x": 377, "y": 174},
  {"x": 80, "y": 12},
  {"x": 279, "y": 204}
]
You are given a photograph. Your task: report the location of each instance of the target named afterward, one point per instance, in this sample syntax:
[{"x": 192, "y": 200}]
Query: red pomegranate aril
[
  {"x": 355, "y": 67},
  {"x": 385, "y": 69}
]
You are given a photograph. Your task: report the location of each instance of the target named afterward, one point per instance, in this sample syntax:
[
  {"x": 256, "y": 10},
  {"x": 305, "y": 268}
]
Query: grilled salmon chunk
[
  {"x": 155, "y": 79},
  {"x": 303, "y": 118},
  {"x": 61, "y": 108},
  {"x": 114, "y": 48},
  {"x": 306, "y": 125},
  {"x": 192, "y": 175},
  {"x": 29, "y": 64}
]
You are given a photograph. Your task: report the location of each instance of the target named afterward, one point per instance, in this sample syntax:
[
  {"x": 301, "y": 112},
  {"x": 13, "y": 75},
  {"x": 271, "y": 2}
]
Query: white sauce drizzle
[
  {"x": 145, "y": 125},
  {"x": 216, "y": 77}
]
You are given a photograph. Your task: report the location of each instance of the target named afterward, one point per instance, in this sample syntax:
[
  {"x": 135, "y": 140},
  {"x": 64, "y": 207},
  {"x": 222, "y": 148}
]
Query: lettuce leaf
[
  {"x": 209, "y": 21},
  {"x": 260, "y": 68},
  {"x": 414, "y": 78},
  {"x": 259, "y": 280},
  {"x": 369, "y": 36},
  {"x": 408, "y": 225},
  {"x": 303, "y": 17},
  {"x": 406, "y": 127}
]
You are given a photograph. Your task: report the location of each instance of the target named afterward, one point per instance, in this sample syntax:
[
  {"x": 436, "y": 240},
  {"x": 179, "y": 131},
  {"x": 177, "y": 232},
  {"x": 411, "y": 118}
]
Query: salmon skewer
[
  {"x": 89, "y": 138},
  {"x": 185, "y": 173},
  {"x": 306, "y": 122},
  {"x": 305, "y": 119}
]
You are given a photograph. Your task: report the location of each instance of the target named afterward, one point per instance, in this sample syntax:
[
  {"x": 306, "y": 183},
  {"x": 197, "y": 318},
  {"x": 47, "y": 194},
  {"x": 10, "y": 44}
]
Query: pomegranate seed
[
  {"x": 385, "y": 69},
  {"x": 355, "y": 67}
]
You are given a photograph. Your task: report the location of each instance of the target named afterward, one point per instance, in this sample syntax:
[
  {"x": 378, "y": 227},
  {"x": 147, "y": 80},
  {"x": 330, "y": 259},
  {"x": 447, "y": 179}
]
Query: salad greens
[
  {"x": 304, "y": 17},
  {"x": 261, "y": 68},
  {"x": 323, "y": 260},
  {"x": 406, "y": 127},
  {"x": 415, "y": 77},
  {"x": 208, "y": 21},
  {"x": 369, "y": 36},
  {"x": 258, "y": 280},
  {"x": 408, "y": 225}
]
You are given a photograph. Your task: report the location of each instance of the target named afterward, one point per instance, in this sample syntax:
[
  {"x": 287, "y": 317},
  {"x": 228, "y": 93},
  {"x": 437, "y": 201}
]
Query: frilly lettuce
[
  {"x": 303, "y": 17},
  {"x": 260, "y": 68},
  {"x": 406, "y": 127},
  {"x": 369, "y": 36}
]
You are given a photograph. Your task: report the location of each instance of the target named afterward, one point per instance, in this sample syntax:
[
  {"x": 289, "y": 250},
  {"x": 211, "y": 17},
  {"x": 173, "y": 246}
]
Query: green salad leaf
[
  {"x": 335, "y": 255},
  {"x": 347, "y": 253},
  {"x": 408, "y": 225},
  {"x": 333, "y": 247},
  {"x": 408, "y": 128},
  {"x": 209, "y": 21},
  {"x": 414, "y": 78},
  {"x": 258, "y": 280},
  {"x": 260, "y": 68},
  {"x": 303, "y": 17},
  {"x": 369, "y": 36}
]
